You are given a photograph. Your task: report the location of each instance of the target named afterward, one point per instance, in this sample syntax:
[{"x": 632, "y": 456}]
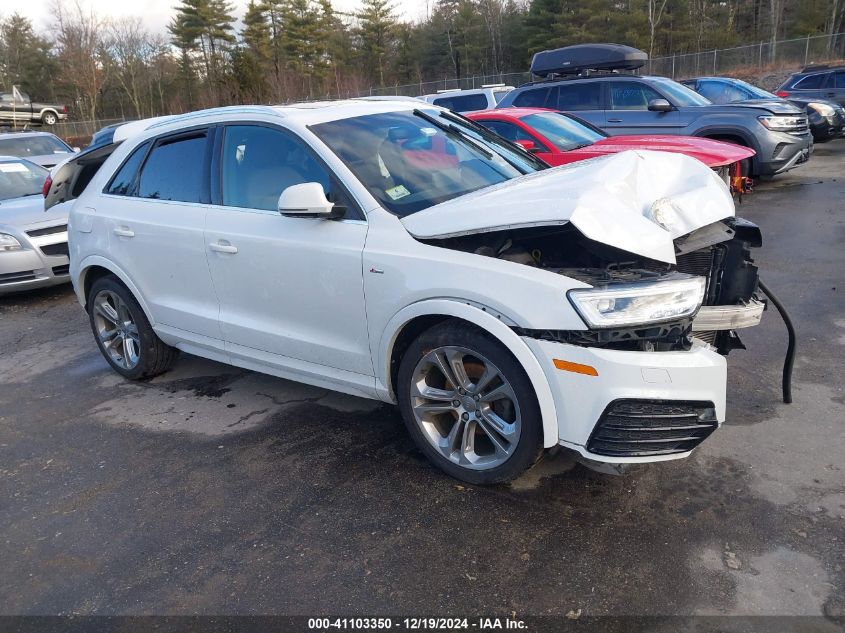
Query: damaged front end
[{"x": 719, "y": 253}]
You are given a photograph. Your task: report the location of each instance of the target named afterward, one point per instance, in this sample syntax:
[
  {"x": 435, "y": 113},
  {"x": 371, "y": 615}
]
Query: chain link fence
[
  {"x": 771, "y": 56},
  {"x": 764, "y": 56}
]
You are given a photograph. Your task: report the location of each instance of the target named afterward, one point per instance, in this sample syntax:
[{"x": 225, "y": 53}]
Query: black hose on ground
[{"x": 789, "y": 361}]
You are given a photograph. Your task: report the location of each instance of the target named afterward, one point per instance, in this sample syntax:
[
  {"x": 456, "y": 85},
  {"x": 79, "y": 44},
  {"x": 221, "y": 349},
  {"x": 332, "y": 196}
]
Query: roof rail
[
  {"x": 198, "y": 114},
  {"x": 448, "y": 90},
  {"x": 493, "y": 86},
  {"x": 812, "y": 67}
]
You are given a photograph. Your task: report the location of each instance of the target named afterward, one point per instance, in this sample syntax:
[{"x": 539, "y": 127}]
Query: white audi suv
[{"x": 394, "y": 250}]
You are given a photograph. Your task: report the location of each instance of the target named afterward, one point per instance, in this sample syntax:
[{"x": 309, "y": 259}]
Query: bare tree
[
  {"x": 79, "y": 46},
  {"x": 133, "y": 53},
  {"x": 655, "y": 9}
]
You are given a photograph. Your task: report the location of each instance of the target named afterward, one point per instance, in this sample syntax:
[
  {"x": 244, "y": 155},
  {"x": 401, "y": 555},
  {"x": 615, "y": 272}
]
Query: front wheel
[
  {"x": 123, "y": 333},
  {"x": 469, "y": 405},
  {"x": 49, "y": 118}
]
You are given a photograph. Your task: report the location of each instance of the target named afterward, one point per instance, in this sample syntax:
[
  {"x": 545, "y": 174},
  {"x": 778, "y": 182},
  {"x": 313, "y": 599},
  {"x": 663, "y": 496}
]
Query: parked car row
[{"x": 477, "y": 272}]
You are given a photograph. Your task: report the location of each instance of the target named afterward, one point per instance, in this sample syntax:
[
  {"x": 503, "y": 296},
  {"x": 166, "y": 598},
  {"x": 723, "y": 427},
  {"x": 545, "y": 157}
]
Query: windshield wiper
[
  {"x": 454, "y": 130},
  {"x": 492, "y": 137}
]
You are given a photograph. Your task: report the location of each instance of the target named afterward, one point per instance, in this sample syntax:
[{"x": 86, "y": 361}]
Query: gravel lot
[{"x": 213, "y": 490}]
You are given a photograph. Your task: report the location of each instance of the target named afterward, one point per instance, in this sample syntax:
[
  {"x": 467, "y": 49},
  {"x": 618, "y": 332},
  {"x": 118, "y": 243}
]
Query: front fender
[{"x": 491, "y": 323}]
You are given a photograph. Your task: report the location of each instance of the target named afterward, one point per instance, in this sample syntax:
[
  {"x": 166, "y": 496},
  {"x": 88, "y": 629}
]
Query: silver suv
[{"x": 622, "y": 103}]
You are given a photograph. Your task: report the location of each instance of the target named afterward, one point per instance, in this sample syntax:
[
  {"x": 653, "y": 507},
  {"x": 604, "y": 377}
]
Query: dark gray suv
[
  {"x": 622, "y": 103},
  {"x": 817, "y": 82}
]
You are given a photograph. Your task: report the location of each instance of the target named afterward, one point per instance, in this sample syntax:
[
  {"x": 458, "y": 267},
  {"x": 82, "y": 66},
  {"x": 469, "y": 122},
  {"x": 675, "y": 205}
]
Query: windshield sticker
[
  {"x": 397, "y": 192},
  {"x": 428, "y": 131},
  {"x": 12, "y": 167}
]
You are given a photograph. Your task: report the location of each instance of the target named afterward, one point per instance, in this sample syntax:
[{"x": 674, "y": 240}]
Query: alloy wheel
[
  {"x": 465, "y": 407},
  {"x": 116, "y": 329}
]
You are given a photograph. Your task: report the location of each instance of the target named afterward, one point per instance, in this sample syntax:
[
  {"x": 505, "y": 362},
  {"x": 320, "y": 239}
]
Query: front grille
[
  {"x": 61, "y": 270},
  {"x": 638, "y": 428},
  {"x": 55, "y": 249},
  {"x": 50, "y": 230},
  {"x": 11, "y": 278}
]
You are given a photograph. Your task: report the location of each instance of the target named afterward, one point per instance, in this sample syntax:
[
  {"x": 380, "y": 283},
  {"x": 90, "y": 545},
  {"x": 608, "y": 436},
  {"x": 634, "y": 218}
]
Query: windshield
[
  {"x": 410, "y": 161},
  {"x": 19, "y": 178},
  {"x": 759, "y": 93},
  {"x": 26, "y": 146},
  {"x": 561, "y": 131},
  {"x": 679, "y": 94}
]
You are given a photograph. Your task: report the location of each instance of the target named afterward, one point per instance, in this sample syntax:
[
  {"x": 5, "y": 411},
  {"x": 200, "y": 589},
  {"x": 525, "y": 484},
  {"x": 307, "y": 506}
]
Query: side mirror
[
  {"x": 306, "y": 200},
  {"x": 659, "y": 105},
  {"x": 528, "y": 146}
]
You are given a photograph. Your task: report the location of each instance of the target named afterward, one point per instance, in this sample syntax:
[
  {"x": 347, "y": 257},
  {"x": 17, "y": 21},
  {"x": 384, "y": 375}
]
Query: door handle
[
  {"x": 614, "y": 120},
  {"x": 222, "y": 246},
  {"x": 123, "y": 231}
]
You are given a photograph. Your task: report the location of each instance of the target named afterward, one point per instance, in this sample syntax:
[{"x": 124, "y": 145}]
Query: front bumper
[
  {"x": 43, "y": 260},
  {"x": 784, "y": 152},
  {"x": 581, "y": 400}
]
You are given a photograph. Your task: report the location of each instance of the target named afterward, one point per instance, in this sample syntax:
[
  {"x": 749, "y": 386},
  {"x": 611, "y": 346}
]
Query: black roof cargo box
[{"x": 572, "y": 60}]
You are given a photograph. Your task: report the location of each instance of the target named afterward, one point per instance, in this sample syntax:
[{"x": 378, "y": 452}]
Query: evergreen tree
[{"x": 376, "y": 33}]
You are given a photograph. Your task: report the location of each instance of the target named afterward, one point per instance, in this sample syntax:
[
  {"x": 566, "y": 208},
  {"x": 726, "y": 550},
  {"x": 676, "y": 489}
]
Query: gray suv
[
  {"x": 621, "y": 103},
  {"x": 816, "y": 82}
]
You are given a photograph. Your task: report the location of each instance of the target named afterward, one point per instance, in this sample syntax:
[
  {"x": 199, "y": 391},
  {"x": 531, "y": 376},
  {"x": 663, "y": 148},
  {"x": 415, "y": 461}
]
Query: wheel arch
[
  {"x": 45, "y": 111},
  {"x": 95, "y": 267},
  {"x": 412, "y": 320},
  {"x": 733, "y": 135}
]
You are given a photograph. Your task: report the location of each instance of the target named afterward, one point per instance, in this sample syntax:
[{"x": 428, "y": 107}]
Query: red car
[{"x": 560, "y": 138}]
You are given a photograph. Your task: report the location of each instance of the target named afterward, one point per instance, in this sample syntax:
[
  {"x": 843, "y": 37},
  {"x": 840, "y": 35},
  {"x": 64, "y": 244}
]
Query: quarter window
[
  {"x": 123, "y": 183},
  {"x": 174, "y": 169},
  {"x": 531, "y": 98},
  {"x": 813, "y": 82},
  {"x": 259, "y": 163},
  {"x": 629, "y": 95}
]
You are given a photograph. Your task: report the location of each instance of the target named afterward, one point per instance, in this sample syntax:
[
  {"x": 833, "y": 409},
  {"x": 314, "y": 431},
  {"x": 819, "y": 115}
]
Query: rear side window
[
  {"x": 535, "y": 98},
  {"x": 174, "y": 169},
  {"x": 463, "y": 103},
  {"x": 123, "y": 183},
  {"x": 507, "y": 130},
  {"x": 813, "y": 82},
  {"x": 630, "y": 95},
  {"x": 574, "y": 97}
]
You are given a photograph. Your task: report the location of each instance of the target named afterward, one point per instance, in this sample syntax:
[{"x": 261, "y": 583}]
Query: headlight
[
  {"x": 9, "y": 243},
  {"x": 821, "y": 108},
  {"x": 638, "y": 303},
  {"x": 782, "y": 123},
  {"x": 663, "y": 213}
]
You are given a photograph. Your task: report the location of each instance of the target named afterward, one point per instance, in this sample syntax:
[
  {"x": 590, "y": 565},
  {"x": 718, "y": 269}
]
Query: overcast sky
[{"x": 157, "y": 13}]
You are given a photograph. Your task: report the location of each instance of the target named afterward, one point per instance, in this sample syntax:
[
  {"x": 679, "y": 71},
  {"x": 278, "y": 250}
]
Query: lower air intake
[{"x": 640, "y": 428}]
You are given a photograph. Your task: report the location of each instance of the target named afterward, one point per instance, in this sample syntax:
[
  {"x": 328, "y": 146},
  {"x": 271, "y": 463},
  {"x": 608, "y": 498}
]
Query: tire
[
  {"x": 49, "y": 118},
  {"x": 470, "y": 436},
  {"x": 123, "y": 333}
]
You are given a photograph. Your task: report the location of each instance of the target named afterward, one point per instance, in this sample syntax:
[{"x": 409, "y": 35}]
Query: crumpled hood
[
  {"x": 22, "y": 212},
  {"x": 608, "y": 199}
]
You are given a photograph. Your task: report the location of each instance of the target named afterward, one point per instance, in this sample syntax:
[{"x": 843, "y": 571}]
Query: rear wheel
[
  {"x": 123, "y": 333},
  {"x": 469, "y": 405},
  {"x": 49, "y": 118}
]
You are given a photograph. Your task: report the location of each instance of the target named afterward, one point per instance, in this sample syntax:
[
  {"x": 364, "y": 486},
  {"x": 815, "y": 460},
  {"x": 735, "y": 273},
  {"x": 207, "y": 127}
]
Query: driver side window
[{"x": 258, "y": 163}]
